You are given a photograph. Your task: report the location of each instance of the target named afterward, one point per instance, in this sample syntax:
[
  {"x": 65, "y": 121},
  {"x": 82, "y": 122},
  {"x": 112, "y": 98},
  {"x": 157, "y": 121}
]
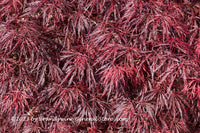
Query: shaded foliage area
[{"x": 134, "y": 60}]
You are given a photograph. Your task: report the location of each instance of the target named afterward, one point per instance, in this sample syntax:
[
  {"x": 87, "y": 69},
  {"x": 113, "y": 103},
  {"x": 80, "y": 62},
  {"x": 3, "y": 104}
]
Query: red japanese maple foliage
[{"x": 99, "y": 66}]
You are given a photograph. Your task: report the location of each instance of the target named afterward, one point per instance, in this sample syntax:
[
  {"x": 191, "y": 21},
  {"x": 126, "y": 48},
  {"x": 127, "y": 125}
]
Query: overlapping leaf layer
[{"x": 100, "y": 66}]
